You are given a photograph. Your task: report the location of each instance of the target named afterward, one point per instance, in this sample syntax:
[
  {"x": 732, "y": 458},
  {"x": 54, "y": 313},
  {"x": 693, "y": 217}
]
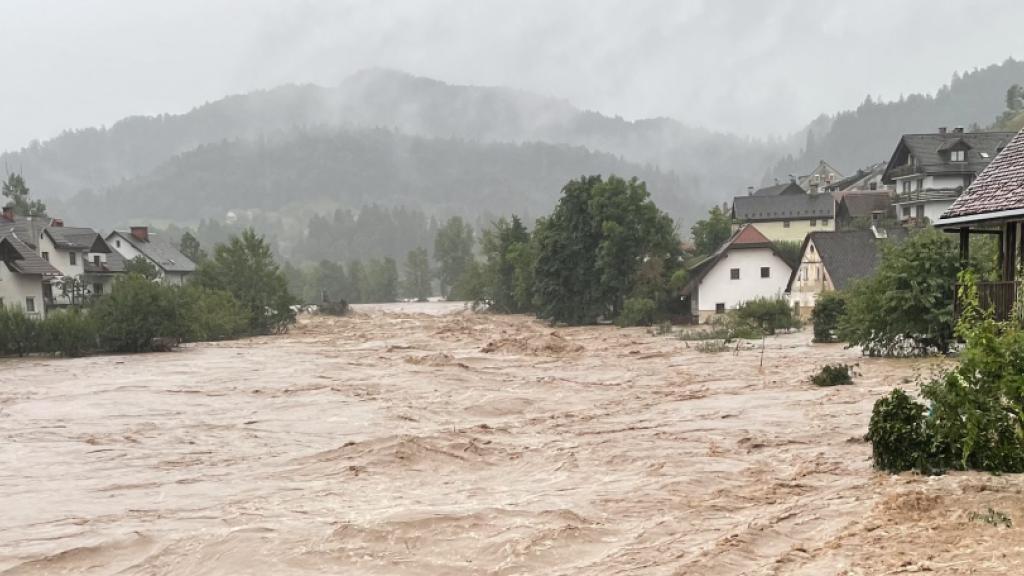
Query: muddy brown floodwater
[{"x": 422, "y": 439}]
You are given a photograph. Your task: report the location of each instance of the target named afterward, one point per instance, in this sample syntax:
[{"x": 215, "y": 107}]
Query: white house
[
  {"x": 744, "y": 268},
  {"x": 172, "y": 266},
  {"x": 23, "y": 274},
  {"x": 78, "y": 253},
  {"x": 930, "y": 171}
]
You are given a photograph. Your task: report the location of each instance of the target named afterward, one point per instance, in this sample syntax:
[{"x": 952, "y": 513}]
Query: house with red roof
[
  {"x": 745, "y": 267},
  {"x": 994, "y": 204}
]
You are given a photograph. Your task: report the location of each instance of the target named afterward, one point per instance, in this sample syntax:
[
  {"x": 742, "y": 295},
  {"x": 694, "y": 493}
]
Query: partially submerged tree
[
  {"x": 453, "y": 250},
  {"x": 416, "y": 283}
]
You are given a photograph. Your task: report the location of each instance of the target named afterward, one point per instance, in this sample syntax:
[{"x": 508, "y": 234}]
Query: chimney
[
  {"x": 750, "y": 190},
  {"x": 141, "y": 233},
  {"x": 9, "y": 213},
  {"x": 958, "y": 130},
  {"x": 57, "y": 223},
  {"x": 942, "y": 129}
]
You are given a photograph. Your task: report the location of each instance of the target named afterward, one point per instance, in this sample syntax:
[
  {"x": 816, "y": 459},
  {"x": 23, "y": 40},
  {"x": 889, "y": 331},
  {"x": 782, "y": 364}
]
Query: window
[
  {"x": 958, "y": 155},
  {"x": 96, "y": 259},
  {"x": 46, "y": 256},
  {"x": 118, "y": 242},
  {"x": 812, "y": 248},
  {"x": 920, "y": 183},
  {"x": 906, "y": 211},
  {"x": 766, "y": 272},
  {"x": 813, "y": 222},
  {"x": 824, "y": 221},
  {"x": 97, "y": 288},
  {"x": 734, "y": 273},
  {"x": 30, "y": 304},
  {"x": 72, "y": 258},
  {"x": 785, "y": 223},
  {"x": 720, "y": 308},
  {"x": 906, "y": 185},
  {"x": 920, "y": 212},
  {"x": 873, "y": 186}
]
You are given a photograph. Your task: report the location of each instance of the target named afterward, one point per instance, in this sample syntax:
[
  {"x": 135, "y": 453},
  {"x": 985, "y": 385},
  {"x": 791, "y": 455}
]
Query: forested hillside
[{"x": 869, "y": 134}]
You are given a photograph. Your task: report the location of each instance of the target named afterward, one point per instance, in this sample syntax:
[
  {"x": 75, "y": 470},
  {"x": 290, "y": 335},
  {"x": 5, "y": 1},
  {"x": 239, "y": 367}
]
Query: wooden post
[
  {"x": 1010, "y": 269},
  {"x": 965, "y": 247}
]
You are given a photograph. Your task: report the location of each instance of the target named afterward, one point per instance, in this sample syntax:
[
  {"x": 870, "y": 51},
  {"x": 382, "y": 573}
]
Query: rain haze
[{"x": 754, "y": 68}]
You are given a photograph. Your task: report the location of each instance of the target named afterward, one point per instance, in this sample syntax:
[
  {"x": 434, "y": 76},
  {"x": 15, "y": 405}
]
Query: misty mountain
[
  {"x": 317, "y": 171},
  {"x": 857, "y": 138}
]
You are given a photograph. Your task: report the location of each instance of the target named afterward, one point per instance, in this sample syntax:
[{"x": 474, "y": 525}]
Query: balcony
[
  {"x": 996, "y": 296},
  {"x": 928, "y": 194}
]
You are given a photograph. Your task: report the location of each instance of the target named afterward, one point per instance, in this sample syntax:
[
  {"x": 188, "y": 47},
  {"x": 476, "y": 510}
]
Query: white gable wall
[
  {"x": 717, "y": 286},
  {"x": 16, "y": 289}
]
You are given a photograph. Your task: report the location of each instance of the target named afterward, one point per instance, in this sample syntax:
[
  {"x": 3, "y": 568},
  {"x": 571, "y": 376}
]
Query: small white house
[
  {"x": 172, "y": 266},
  {"x": 79, "y": 253},
  {"x": 22, "y": 276},
  {"x": 744, "y": 268}
]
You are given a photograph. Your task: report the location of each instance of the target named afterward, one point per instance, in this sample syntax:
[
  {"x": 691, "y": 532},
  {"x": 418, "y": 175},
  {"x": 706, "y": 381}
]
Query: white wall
[
  {"x": 16, "y": 288},
  {"x": 811, "y": 279},
  {"x": 718, "y": 286}
]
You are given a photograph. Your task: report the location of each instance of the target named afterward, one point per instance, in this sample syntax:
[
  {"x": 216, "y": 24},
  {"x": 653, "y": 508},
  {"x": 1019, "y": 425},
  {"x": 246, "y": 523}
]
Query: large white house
[
  {"x": 172, "y": 266},
  {"x": 930, "y": 171},
  {"x": 79, "y": 253},
  {"x": 23, "y": 274},
  {"x": 744, "y": 268},
  {"x": 785, "y": 212}
]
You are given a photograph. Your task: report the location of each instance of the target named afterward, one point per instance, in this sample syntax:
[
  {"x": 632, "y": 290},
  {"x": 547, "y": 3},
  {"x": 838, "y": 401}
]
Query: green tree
[
  {"x": 591, "y": 249},
  {"x": 141, "y": 266},
  {"x": 135, "y": 312},
  {"x": 453, "y": 250},
  {"x": 909, "y": 299},
  {"x": 709, "y": 234},
  {"x": 505, "y": 247},
  {"x": 245, "y": 268},
  {"x": 15, "y": 189},
  {"x": 191, "y": 248},
  {"x": 416, "y": 283},
  {"x": 382, "y": 280},
  {"x": 358, "y": 281}
]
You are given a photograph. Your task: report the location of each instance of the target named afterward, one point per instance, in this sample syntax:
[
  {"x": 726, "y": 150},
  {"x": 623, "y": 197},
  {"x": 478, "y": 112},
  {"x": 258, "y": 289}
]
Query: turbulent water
[{"x": 428, "y": 440}]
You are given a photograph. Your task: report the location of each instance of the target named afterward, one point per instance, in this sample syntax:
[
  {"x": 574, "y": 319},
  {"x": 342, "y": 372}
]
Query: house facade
[
  {"x": 930, "y": 171},
  {"x": 786, "y": 217},
  {"x": 172, "y": 266},
  {"x": 23, "y": 274},
  {"x": 994, "y": 205},
  {"x": 83, "y": 259},
  {"x": 744, "y": 268},
  {"x": 819, "y": 179}
]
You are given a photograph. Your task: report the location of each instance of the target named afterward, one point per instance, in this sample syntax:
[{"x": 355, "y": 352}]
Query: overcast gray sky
[{"x": 749, "y": 66}]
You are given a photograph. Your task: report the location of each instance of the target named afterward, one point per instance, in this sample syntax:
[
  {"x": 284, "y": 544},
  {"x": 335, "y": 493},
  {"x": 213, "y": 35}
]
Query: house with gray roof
[
  {"x": 172, "y": 266},
  {"x": 23, "y": 273},
  {"x": 786, "y": 217},
  {"x": 84, "y": 260},
  {"x": 832, "y": 261},
  {"x": 930, "y": 171},
  {"x": 994, "y": 205}
]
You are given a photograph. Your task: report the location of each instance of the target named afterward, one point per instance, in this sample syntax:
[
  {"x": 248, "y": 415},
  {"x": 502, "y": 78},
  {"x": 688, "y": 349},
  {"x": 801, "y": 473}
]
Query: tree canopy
[
  {"x": 712, "y": 232},
  {"x": 17, "y": 193}
]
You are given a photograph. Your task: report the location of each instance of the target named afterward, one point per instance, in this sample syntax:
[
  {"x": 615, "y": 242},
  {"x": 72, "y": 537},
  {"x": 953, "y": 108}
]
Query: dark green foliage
[
  {"x": 907, "y": 306},
  {"x": 833, "y": 375},
  {"x": 471, "y": 285},
  {"x": 206, "y": 315},
  {"x": 381, "y": 280},
  {"x": 897, "y": 433},
  {"x": 508, "y": 269},
  {"x": 637, "y": 312},
  {"x": 15, "y": 190},
  {"x": 767, "y": 314},
  {"x": 453, "y": 250},
  {"x": 135, "y": 312},
  {"x": 416, "y": 282},
  {"x": 191, "y": 248},
  {"x": 70, "y": 333},
  {"x": 245, "y": 268},
  {"x": 828, "y": 309},
  {"x": 789, "y": 251},
  {"x": 709, "y": 234},
  {"x": 590, "y": 251},
  {"x": 19, "y": 334},
  {"x": 141, "y": 266}
]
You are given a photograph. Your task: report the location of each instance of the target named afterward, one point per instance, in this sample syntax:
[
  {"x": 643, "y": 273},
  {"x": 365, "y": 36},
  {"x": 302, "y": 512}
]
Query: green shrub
[
  {"x": 897, "y": 433},
  {"x": 768, "y": 314},
  {"x": 828, "y": 309},
  {"x": 70, "y": 333},
  {"x": 207, "y": 315},
  {"x": 833, "y": 375},
  {"x": 637, "y": 312},
  {"x": 19, "y": 334},
  {"x": 712, "y": 346},
  {"x": 136, "y": 311}
]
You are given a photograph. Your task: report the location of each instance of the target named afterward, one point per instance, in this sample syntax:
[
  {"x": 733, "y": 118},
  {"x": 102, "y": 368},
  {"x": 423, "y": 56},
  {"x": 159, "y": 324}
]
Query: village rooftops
[
  {"x": 21, "y": 258},
  {"x": 864, "y": 203},
  {"x": 781, "y": 189},
  {"x": 746, "y": 237},
  {"x": 783, "y": 207},
  {"x": 25, "y": 228},
  {"x": 997, "y": 193},
  {"x": 156, "y": 248},
  {"x": 938, "y": 153},
  {"x": 76, "y": 238},
  {"x": 848, "y": 255}
]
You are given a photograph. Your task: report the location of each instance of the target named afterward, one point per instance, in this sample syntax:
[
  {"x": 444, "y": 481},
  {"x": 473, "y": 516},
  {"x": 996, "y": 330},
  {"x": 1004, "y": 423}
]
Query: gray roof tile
[
  {"x": 783, "y": 207},
  {"x": 161, "y": 251}
]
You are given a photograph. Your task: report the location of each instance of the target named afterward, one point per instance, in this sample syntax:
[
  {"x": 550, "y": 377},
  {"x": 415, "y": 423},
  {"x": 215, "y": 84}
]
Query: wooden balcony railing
[{"x": 996, "y": 296}]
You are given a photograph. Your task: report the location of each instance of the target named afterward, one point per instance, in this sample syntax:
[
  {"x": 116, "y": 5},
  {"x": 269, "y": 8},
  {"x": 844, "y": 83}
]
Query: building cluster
[
  {"x": 45, "y": 265},
  {"x": 842, "y": 222}
]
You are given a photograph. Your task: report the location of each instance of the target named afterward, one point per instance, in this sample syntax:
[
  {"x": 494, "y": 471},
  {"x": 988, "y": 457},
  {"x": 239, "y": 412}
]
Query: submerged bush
[
  {"x": 768, "y": 314},
  {"x": 637, "y": 312},
  {"x": 833, "y": 375},
  {"x": 70, "y": 333},
  {"x": 897, "y": 433},
  {"x": 18, "y": 333},
  {"x": 828, "y": 309}
]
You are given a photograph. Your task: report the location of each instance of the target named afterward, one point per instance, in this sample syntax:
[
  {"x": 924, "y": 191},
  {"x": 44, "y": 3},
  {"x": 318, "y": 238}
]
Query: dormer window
[{"x": 958, "y": 155}]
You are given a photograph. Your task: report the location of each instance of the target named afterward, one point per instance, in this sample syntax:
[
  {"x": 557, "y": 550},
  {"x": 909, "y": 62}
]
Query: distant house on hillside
[
  {"x": 819, "y": 179},
  {"x": 834, "y": 260},
  {"x": 172, "y": 266},
  {"x": 744, "y": 268},
  {"x": 788, "y": 188},
  {"x": 931, "y": 170},
  {"x": 786, "y": 217},
  {"x": 864, "y": 180},
  {"x": 863, "y": 209},
  {"x": 994, "y": 203}
]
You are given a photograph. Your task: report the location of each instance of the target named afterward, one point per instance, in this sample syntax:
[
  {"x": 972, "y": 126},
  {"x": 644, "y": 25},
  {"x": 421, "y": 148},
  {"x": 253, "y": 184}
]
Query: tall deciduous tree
[
  {"x": 15, "y": 189},
  {"x": 417, "y": 274},
  {"x": 591, "y": 250},
  {"x": 508, "y": 271},
  {"x": 453, "y": 250},
  {"x": 245, "y": 268},
  {"x": 191, "y": 248},
  {"x": 712, "y": 232}
]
